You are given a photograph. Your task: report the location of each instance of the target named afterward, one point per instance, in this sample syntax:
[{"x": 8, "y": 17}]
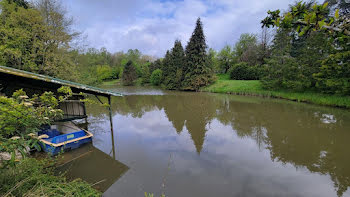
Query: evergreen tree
[
  {"x": 155, "y": 65},
  {"x": 173, "y": 69},
  {"x": 198, "y": 72},
  {"x": 178, "y": 56},
  {"x": 166, "y": 68},
  {"x": 129, "y": 73}
]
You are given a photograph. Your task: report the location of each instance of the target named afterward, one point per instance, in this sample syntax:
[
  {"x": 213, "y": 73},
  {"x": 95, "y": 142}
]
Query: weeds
[{"x": 32, "y": 177}]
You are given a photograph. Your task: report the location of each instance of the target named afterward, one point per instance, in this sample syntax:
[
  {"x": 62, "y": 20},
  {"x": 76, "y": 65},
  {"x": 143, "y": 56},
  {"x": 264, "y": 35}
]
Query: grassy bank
[
  {"x": 111, "y": 82},
  {"x": 137, "y": 82},
  {"x": 254, "y": 88}
]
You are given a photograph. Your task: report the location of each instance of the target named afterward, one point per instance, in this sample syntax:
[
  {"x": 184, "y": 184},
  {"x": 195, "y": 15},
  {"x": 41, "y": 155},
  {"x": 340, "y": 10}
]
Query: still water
[{"x": 201, "y": 144}]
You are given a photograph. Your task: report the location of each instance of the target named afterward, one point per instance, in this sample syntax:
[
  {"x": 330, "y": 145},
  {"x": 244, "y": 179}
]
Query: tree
[
  {"x": 129, "y": 74},
  {"x": 317, "y": 55},
  {"x": 173, "y": 67},
  {"x": 226, "y": 59},
  {"x": 145, "y": 73},
  {"x": 155, "y": 65},
  {"x": 168, "y": 70},
  {"x": 198, "y": 72},
  {"x": 246, "y": 49},
  {"x": 178, "y": 56},
  {"x": 213, "y": 60},
  {"x": 306, "y": 17},
  {"x": 21, "y": 41},
  {"x": 265, "y": 42},
  {"x": 36, "y": 38}
]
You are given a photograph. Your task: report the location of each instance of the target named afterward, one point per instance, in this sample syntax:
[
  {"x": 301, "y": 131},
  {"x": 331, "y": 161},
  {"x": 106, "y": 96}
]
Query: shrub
[
  {"x": 21, "y": 117},
  {"x": 103, "y": 72},
  {"x": 156, "y": 77},
  {"x": 242, "y": 71}
]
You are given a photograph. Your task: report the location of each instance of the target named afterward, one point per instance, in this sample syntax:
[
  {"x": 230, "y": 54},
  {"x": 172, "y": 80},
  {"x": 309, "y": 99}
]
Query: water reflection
[
  {"x": 243, "y": 146},
  {"x": 93, "y": 166}
]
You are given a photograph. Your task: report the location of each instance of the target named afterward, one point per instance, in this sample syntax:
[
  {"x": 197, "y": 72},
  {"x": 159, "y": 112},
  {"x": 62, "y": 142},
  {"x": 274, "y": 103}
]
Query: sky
[{"x": 152, "y": 26}]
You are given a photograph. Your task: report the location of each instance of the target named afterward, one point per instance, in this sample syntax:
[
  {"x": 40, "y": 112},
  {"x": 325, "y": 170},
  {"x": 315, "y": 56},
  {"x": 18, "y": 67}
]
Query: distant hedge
[{"x": 242, "y": 71}]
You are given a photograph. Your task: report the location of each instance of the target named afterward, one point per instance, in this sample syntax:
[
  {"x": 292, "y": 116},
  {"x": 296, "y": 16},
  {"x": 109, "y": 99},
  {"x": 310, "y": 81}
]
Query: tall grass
[{"x": 32, "y": 177}]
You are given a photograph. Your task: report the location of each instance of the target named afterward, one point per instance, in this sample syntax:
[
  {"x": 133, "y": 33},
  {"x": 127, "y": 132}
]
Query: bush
[
  {"x": 156, "y": 77},
  {"x": 242, "y": 71},
  {"x": 104, "y": 72},
  {"x": 21, "y": 115},
  {"x": 115, "y": 72}
]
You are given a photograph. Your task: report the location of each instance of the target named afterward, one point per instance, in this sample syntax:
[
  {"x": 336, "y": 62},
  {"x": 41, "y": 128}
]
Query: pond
[{"x": 202, "y": 144}]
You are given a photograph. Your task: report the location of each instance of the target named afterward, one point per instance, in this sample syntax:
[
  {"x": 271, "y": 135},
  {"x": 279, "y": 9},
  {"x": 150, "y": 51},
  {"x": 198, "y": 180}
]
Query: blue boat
[{"x": 56, "y": 142}]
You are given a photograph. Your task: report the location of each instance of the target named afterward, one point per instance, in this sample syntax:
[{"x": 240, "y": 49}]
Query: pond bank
[{"x": 254, "y": 88}]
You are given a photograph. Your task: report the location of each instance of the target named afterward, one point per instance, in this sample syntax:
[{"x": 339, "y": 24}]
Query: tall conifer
[
  {"x": 178, "y": 56},
  {"x": 198, "y": 72},
  {"x": 173, "y": 68}
]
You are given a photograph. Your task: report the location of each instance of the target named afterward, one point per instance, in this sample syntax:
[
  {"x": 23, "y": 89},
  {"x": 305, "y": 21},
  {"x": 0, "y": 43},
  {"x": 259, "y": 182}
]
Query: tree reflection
[{"x": 293, "y": 133}]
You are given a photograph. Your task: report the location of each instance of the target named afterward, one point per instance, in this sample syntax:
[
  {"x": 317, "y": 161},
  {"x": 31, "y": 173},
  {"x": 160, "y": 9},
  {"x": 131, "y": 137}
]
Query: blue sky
[{"x": 153, "y": 25}]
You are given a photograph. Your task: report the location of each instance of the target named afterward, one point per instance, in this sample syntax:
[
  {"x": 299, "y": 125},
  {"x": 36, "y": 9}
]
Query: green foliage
[
  {"x": 35, "y": 39},
  {"x": 146, "y": 75},
  {"x": 214, "y": 61},
  {"x": 334, "y": 75},
  {"x": 104, "y": 72},
  {"x": 198, "y": 72},
  {"x": 21, "y": 43},
  {"x": 173, "y": 65},
  {"x": 155, "y": 65},
  {"x": 242, "y": 71},
  {"x": 310, "y": 50},
  {"x": 32, "y": 177},
  {"x": 255, "y": 88},
  {"x": 246, "y": 49},
  {"x": 168, "y": 68},
  {"x": 21, "y": 115},
  {"x": 152, "y": 195},
  {"x": 226, "y": 58},
  {"x": 285, "y": 75},
  {"x": 129, "y": 74},
  {"x": 156, "y": 77}
]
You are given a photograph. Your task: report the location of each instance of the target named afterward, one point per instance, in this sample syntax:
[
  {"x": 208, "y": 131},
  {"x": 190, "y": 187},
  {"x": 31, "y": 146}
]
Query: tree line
[
  {"x": 305, "y": 48},
  {"x": 38, "y": 37}
]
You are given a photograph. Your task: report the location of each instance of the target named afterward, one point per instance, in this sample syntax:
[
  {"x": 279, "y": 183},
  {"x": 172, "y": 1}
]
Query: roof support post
[{"x": 111, "y": 123}]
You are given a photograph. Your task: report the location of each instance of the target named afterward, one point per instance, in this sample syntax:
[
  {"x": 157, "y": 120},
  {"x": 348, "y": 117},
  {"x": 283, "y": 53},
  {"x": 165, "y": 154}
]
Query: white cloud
[{"x": 153, "y": 26}]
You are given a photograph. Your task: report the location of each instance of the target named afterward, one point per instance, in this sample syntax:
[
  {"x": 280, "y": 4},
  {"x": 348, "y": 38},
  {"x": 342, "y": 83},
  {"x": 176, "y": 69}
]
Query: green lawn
[
  {"x": 118, "y": 82},
  {"x": 254, "y": 88},
  {"x": 111, "y": 82}
]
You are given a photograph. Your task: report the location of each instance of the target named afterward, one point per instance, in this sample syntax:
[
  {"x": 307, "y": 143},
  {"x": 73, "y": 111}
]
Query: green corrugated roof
[{"x": 34, "y": 76}]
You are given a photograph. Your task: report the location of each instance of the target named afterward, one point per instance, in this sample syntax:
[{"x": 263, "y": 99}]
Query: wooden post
[{"x": 111, "y": 122}]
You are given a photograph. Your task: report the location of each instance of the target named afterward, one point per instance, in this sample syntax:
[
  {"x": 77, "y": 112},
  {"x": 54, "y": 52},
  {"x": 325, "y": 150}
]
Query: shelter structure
[{"x": 12, "y": 79}]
